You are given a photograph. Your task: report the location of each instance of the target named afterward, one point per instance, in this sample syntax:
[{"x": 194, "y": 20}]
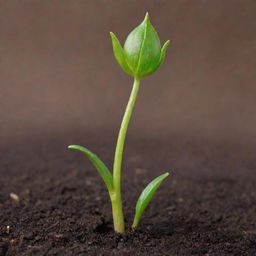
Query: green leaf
[
  {"x": 119, "y": 54},
  {"x": 99, "y": 165},
  {"x": 163, "y": 52},
  {"x": 146, "y": 197},
  {"x": 162, "y": 56}
]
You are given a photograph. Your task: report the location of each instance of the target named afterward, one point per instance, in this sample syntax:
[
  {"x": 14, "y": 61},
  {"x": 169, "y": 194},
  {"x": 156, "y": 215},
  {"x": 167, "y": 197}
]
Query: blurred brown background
[{"x": 58, "y": 74}]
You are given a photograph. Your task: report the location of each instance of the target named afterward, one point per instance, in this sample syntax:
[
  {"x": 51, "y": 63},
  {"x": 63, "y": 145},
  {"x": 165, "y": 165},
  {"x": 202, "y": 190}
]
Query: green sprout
[{"x": 141, "y": 56}]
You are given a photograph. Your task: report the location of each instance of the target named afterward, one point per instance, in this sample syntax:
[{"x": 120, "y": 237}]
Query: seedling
[{"x": 141, "y": 56}]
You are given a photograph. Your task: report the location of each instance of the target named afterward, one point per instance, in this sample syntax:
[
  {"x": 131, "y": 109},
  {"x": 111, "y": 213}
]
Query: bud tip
[{"x": 146, "y": 19}]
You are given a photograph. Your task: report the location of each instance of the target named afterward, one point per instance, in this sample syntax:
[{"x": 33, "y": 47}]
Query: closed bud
[{"x": 142, "y": 54}]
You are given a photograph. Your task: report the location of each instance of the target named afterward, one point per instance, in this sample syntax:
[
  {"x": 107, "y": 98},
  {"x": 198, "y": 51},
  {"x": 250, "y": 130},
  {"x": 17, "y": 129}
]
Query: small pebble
[
  {"x": 14, "y": 197},
  {"x": 59, "y": 235},
  {"x": 13, "y": 242},
  {"x": 37, "y": 238}
]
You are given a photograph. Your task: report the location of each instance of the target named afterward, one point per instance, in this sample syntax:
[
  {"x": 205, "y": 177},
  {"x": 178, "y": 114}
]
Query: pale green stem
[{"x": 116, "y": 198}]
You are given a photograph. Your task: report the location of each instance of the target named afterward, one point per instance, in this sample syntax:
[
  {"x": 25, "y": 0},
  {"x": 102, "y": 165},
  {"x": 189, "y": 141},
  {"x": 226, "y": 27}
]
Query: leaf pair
[{"x": 105, "y": 174}]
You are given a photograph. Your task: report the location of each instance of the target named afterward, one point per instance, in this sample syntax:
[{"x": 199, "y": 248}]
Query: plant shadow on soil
[{"x": 206, "y": 207}]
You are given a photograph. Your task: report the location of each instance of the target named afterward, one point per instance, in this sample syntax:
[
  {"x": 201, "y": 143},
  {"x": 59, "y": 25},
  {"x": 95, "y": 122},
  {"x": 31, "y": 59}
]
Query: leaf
[
  {"x": 163, "y": 52},
  {"x": 119, "y": 54},
  {"x": 146, "y": 197},
  {"x": 99, "y": 165},
  {"x": 162, "y": 56}
]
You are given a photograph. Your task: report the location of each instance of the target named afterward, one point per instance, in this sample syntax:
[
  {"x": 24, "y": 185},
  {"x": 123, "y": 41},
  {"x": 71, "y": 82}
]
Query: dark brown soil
[{"x": 206, "y": 207}]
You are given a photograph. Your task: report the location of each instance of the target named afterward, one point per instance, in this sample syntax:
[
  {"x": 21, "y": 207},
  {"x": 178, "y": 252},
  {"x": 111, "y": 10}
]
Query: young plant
[{"x": 141, "y": 56}]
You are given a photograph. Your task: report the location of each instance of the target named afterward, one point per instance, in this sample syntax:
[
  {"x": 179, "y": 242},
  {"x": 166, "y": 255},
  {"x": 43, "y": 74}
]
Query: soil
[{"x": 52, "y": 201}]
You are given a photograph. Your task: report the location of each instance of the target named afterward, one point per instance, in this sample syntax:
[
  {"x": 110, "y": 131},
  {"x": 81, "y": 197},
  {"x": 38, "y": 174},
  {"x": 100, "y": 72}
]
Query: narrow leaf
[
  {"x": 163, "y": 52},
  {"x": 119, "y": 54},
  {"x": 99, "y": 165},
  {"x": 146, "y": 197},
  {"x": 162, "y": 57}
]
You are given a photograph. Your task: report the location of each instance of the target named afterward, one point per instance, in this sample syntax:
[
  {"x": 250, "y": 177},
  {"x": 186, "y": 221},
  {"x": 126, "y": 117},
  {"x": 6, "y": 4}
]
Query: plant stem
[{"x": 116, "y": 198}]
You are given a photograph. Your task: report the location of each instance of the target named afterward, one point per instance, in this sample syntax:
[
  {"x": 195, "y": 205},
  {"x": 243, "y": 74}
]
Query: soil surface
[{"x": 53, "y": 202}]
